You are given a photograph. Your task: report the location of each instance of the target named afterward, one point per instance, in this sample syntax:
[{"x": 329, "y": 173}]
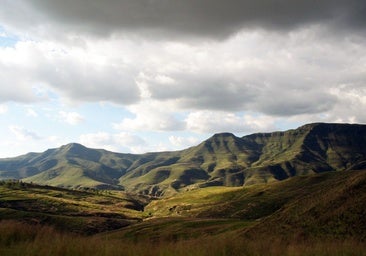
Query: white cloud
[
  {"x": 266, "y": 73},
  {"x": 32, "y": 113},
  {"x": 270, "y": 73},
  {"x": 23, "y": 134},
  {"x": 3, "y": 109},
  {"x": 180, "y": 142},
  {"x": 152, "y": 116},
  {"x": 351, "y": 107},
  {"x": 120, "y": 142},
  {"x": 84, "y": 73},
  {"x": 72, "y": 118},
  {"x": 214, "y": 122}
]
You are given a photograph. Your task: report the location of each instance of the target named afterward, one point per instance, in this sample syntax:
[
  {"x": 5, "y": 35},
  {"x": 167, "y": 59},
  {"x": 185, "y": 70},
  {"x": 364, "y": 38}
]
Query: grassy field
[{"x": 319, "y": 214}]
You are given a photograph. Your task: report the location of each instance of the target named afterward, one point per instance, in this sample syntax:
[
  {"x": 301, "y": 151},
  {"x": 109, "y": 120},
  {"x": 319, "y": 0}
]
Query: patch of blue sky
[
  {"x": 7, "y": 39},
  {"x": 284, "y": 124}
]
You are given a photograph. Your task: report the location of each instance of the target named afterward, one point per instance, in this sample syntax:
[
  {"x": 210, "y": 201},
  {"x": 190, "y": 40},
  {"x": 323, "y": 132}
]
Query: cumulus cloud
[
  {"x": 269, "y": 73},
  {"x": 352, "y": 103},
  {"x": 180, "y": 142},
  {"x": 3, "y": 109},
  {"x": 22, "y": 133},
  {"x": 115, "y": 142},
  {"x": 273, "y": 74},
  {"x": 31, "y": 113},
  {"x": 72, "y": 118},
  {"x": 151, "y": 116},
  {"x": 76, "y": 73},
  {"x": 214, "y": 122}
]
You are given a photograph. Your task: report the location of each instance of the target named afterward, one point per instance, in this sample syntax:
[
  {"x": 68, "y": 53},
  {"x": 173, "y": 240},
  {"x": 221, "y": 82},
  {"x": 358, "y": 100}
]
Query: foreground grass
[{"x": 24, "y": 239}]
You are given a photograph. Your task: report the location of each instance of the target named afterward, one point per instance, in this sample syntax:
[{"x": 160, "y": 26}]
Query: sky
[{"x": 136, "y": 76}]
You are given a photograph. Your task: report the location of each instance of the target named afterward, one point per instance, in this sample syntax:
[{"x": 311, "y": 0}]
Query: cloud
[
  {"x": 31, "y": 113},
  {"x": 214, "y": 122},
  {"x": 267, "y": 73},
  {"x": 211, "y": 18},
  {"x": 115, "y": 142},
  {"x": 152, "y": 116},
  {"x": 72, "y": 118},
  {"x": 352, "y": 103},
  {"x": 180, "y": 142},
  {"x": 272, "y": 74},
  {"x": 179, "y": 65},
  {"x": 75, "y": 73},
  {"x": 22, "y": 133},
  {"x": 3, "y": 109}
]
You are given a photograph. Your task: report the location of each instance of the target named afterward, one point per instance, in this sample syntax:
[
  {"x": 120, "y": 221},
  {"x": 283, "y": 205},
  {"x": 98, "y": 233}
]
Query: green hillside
[
  {"x": 72, "y": 165},
  {"x": 316, "y": 214},
  {"x": 327, "y": 205},
  {"x": 83, "y": 212},
  {"x": 226, "y": 160},
  {"x": 222, "y": 160}
]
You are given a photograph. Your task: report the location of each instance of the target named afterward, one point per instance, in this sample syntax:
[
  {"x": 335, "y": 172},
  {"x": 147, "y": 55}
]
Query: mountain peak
[
  {"x": 223, "y": 135},
  {"x": 75, "y": 149},
  {"x": 73, "y": 146}
]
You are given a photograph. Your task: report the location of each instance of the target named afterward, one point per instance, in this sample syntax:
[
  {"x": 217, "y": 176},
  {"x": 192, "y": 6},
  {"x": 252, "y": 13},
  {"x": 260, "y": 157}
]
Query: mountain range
[{"x": 221, "y": 160}]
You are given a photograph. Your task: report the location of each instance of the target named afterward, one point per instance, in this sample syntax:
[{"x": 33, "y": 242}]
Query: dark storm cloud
[{"x": 214, "y": 18}]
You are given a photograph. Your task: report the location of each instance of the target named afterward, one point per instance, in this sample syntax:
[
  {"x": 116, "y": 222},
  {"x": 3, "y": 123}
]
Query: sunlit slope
[
  {"x": 72, "y": 165},
  {"x": 77, "y": 211},
  {"x": 331, "y": 205},
  {"x": 213, "y": 162},
  {"x": 328, "y": 204}
]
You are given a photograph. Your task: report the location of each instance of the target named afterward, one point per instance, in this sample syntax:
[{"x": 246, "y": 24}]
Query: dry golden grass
[{"x": 24, "y": 239}]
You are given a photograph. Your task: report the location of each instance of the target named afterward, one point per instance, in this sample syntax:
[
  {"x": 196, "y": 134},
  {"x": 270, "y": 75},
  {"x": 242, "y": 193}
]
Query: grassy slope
[
  {"x": 216, "y": 161},
  {"x": 322, "y": 204},
  {"x": 321, "y": 214},
  {"x": 77, "y": 211},
  {"x": 75, "y": 166},
  {"x": 326, "y": 204},
  {"x": 330, "y": 205}
]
